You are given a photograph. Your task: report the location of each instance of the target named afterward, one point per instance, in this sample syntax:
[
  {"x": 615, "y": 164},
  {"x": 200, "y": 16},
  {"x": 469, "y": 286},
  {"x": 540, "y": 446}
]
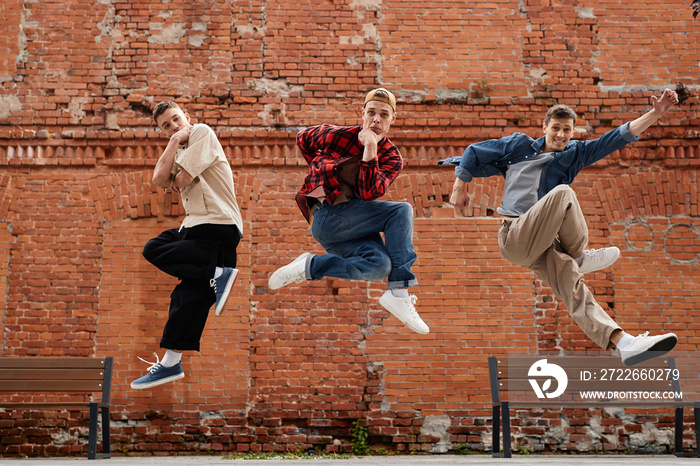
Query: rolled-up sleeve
[
  {"x": 201, "y": 151},
  {"x": 375, "y": 176}
]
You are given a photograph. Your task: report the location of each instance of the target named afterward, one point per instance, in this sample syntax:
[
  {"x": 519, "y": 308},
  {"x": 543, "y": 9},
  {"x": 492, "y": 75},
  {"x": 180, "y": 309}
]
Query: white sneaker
[
  {"x": 294, "y": 272},
  {"x": 645, "y": 347},
  {"x": 598, "y": 259},
  {"x": 403, "y": 309}
]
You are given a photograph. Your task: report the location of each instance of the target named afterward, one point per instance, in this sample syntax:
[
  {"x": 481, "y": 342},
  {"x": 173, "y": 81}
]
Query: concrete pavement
[{"x": 408, "y": 460}]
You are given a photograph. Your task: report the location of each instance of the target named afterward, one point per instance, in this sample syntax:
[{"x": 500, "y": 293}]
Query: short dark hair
[
  {"x": 558, "y": 112},
  {"x": 162, "y": 107}
]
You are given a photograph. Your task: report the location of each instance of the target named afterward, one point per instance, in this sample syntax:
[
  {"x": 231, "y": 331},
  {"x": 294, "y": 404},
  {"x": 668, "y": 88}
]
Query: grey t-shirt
[{"x": 522, "y": 182}]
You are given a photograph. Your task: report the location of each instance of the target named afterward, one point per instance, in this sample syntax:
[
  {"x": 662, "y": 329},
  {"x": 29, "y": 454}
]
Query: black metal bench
[
  {"x": 63, "y": 375},
  {"x": 511, "y": 387}
]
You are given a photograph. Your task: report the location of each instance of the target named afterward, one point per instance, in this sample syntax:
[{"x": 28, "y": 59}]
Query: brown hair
[
  {"x": 558, "y": 112},
  {"x": 162, "y": 107}
]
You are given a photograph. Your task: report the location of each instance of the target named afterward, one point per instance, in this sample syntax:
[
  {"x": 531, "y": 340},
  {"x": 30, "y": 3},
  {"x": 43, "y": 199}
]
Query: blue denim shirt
[{"x": 492, "y": 157}]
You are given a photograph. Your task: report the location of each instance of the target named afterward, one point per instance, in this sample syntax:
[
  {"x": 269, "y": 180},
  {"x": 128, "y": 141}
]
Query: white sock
[
  {"x": 400, "y": 292},
  {"x": 579, "y": 261},
  {"x": 625, "y": 341},
  {"x": 171, "y": 358},
  {"x": 217, "y": 272}
]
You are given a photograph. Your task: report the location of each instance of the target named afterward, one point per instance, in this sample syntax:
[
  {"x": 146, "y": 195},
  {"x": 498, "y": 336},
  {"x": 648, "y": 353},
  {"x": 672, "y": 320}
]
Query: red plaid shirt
[{"x": 325, "y": 147}]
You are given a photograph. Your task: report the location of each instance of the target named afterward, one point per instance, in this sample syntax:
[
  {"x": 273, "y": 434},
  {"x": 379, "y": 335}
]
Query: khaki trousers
[{"x": 547, "y": 240}]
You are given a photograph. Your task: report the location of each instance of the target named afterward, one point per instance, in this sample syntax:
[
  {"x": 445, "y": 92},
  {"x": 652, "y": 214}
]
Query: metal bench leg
[
  {"x": 505, "y": 406},
  {"x": 678, "y": 434},
  {"x": 106, "y": 437},
  {"x": 92, "y": 432},
  {"x": 496, "y": 435}
]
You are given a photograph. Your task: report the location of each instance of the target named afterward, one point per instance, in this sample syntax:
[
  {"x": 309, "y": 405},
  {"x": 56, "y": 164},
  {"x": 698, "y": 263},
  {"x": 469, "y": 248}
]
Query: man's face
[
  {"x": 378, "y": 116},
  {"x": 172, "y": 120},
  {"x": 558, "y": 133}
]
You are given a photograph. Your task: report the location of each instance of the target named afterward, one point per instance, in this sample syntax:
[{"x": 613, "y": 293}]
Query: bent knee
[
  {"x": 563, "y": 188},
  {"x": 148, "y": 249},
  {"x": 381, "y": 268},
  {"x": 406, "y": 209},
  {"x": 563, "y": 192}
]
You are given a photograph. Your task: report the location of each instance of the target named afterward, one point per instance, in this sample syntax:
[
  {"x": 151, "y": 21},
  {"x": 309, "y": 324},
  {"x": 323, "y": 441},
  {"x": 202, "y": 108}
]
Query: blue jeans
[{"x": 350, "y": 233}]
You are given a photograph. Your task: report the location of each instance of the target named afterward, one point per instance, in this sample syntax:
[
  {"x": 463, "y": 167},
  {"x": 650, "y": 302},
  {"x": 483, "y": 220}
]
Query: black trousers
[{"x": 192, "y": 255}]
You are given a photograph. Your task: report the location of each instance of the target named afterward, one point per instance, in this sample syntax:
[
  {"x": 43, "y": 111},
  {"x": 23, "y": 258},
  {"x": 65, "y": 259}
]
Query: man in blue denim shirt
[{"x": 543, "y": 228}]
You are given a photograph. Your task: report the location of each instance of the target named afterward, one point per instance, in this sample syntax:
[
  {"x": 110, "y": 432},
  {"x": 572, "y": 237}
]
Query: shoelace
[
  {"x": 413, "y": 298},
  {"x": 212, "y": 283},
  {"x": 594, "y": 255},
  {"x": 154, "y": 365},
  {"x": 643, "y": 335},
  {"x": 296, "y": 273},
  {"x": 414, "y": 314}
]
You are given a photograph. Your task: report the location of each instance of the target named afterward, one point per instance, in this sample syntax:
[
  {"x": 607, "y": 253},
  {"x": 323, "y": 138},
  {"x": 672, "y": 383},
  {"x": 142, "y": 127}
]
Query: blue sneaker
[
  {"x": 222, "y": 287},
  {"x": 158, "y": 375}
]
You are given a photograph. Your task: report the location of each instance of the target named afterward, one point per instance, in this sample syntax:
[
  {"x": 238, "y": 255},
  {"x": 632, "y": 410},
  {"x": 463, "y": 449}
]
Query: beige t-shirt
[{"x": 210, "y": 198}]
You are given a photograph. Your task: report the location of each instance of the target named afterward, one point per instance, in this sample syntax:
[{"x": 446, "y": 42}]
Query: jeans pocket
[{"x": 330, "y": 228}]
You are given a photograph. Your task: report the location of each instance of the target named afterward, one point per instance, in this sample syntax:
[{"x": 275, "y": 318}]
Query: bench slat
[
  {"x": 51, "y": 363},
  {"x": 49, "y": 374},
  {"x": 510, "y": 385},
  {"x": 590, "y": 363},
  {"x": 601, "y": 404},
  {"x": 68, "y": 405},
  {"x": 51, "y": 386}
]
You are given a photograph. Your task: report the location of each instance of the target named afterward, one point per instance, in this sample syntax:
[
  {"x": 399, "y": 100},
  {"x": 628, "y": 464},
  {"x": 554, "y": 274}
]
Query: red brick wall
[{"x": 296, "y": 367}]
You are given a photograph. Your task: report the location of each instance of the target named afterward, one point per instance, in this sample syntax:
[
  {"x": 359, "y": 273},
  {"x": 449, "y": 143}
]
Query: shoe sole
[
  {"x": 418, "y": 331},
  {"x": 658, "y": 349},
  {"x": 278, "y": 271},
  {"x": 227, "y": 290},
  {"x": 155, "y": 383}
]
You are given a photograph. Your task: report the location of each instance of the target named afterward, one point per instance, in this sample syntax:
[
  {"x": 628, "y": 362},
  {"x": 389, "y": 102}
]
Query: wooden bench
[
  {"x": 62, "y": 375},
  {"x": 511, "y": 387}
]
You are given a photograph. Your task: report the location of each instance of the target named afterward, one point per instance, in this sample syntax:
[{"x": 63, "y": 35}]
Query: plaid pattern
[{"x": 325, "y": 147}]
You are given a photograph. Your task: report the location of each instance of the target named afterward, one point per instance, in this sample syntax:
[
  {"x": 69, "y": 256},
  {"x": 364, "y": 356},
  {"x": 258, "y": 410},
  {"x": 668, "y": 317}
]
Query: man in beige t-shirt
[{"x": 202, "y": 252}]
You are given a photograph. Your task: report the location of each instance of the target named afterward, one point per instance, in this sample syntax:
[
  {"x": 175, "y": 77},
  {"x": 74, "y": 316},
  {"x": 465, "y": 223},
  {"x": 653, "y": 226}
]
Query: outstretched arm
[{"x": 661, "y": 106}]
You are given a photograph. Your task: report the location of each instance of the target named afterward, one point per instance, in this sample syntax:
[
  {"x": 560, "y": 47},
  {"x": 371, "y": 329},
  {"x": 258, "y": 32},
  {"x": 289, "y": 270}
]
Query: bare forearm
[
  {"x": 642, "y": 123},
  {"x": 370, "y": 152},
  {"x": 164, "y": 166},
  {"x": 459, "y": 197},
  {"x": 661, "y": 106},
  {"x": 182, "y": 179}
]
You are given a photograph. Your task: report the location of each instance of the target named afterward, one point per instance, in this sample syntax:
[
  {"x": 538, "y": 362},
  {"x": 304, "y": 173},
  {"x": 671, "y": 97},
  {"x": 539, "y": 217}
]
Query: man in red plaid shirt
[{"x": 350, "y": 167}]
